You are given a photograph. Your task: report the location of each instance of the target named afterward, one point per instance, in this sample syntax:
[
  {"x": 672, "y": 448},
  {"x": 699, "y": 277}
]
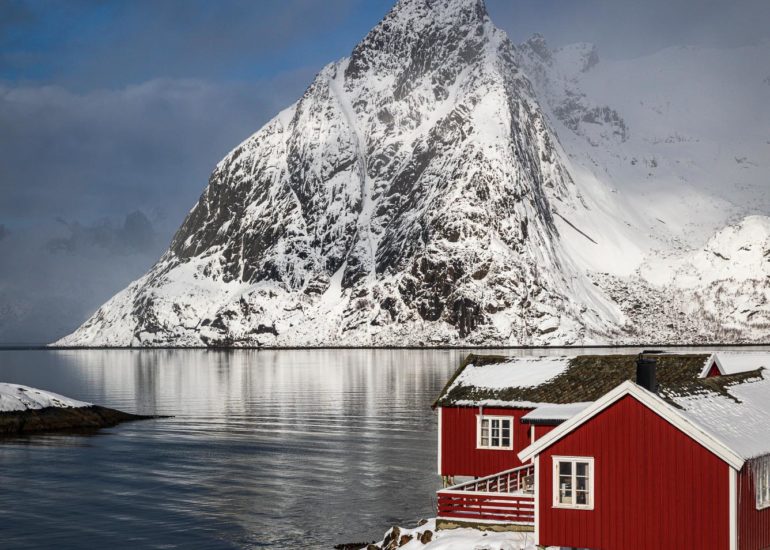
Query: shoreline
[
  {"x": 49, "y": 347},
  {"x": 61, "y": 419}
]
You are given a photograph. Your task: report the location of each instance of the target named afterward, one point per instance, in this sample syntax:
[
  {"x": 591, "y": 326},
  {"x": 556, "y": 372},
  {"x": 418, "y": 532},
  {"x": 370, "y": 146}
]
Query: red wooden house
[{"x": 611, "y": 452}]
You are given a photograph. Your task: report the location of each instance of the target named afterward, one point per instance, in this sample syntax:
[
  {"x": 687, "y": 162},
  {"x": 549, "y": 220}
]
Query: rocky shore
[
  {"x": 25, "y": 410},
  {"x": 426, "y": 537}
]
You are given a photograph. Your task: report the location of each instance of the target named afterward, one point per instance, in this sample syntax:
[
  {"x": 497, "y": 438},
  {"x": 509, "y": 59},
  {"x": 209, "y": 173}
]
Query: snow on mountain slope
[
  {"x": 426, "y": 191},
  {"x": 680, "y": 142},
  {"x": 685, "y": 126}
]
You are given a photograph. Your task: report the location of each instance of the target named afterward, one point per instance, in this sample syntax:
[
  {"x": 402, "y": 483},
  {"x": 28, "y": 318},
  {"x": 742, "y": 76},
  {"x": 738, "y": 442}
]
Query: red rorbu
[{"x": 614, "y": 452}]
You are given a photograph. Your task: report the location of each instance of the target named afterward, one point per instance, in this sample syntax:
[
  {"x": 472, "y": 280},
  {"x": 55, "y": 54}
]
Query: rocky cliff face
[{"x": 415, "y": 194}]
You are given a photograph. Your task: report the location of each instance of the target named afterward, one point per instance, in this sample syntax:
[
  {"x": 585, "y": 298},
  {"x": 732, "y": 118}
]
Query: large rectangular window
[
  {"x": 495, "y": 432},
  {"x": 761, "y": 469},
  {"x": 573, "y": 482}
]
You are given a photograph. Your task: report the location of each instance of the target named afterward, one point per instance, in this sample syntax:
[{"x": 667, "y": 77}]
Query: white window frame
[
  {"x": 479, "y": 420},
  {"x": 761, "y": 469},
  {"x": 574, "y": 460}
]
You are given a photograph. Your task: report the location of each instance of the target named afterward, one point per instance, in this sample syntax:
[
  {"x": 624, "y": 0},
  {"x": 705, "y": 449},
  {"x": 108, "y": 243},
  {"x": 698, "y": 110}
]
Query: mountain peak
[{"x": 425, "y": 33}]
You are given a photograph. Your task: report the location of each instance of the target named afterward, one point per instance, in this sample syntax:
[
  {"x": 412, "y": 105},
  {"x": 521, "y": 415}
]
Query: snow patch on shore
[
  {"x": 462, "y": 539},
  {"x": 15, "y": 397}
]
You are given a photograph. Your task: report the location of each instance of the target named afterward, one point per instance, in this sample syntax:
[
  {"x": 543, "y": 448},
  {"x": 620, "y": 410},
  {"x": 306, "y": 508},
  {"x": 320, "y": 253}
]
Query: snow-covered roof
[
  {"x": 15, "y": 397},
  {"x": 740, "y": 418},
  {"x": 649, "y": 399},
  {"x": 732, "y": 409},
  {"x": 496, "y": 381},
  {"x": 734, "y": 362},
  {"x": 554, "y": 413}
]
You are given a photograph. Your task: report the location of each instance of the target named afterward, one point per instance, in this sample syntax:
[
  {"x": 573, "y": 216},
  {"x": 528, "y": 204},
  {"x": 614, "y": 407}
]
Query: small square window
[
  {"x": 573, "y": 483},
  {"x": 495, "y": 432}
]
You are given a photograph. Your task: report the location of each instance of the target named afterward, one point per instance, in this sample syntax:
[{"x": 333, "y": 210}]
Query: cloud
[
  {"x": 628, "y": 28},
  {"x": 147, "y": 146},
  {"x": 136, "y": 234},
  {"x": 54, "y": 275},
  {"x": 97, "y": 155}
]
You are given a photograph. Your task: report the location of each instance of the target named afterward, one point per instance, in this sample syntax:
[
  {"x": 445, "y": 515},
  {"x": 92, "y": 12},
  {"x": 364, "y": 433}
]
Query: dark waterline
[{"x": 267, "y": 449}]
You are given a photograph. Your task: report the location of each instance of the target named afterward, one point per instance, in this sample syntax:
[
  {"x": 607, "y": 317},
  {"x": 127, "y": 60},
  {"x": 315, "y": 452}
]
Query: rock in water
[{"x": 25, "y": 410}]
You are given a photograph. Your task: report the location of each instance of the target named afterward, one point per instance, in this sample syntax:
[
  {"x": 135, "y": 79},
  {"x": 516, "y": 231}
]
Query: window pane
[
  {"x": 582, "y": 468},
  {"x": 582, "y": 498},
  {"x": 506, "y": 441},
  {"x": 565, "y": 489},
  {"x": 484, "y": 441},
  {"x": 581, "y": 484},
  {"x": 565, "y": 468}
]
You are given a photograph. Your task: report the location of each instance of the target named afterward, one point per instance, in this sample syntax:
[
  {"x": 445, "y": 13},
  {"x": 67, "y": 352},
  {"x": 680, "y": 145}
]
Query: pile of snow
[
  {"x": 741, "y": 421},
  {"x": 555, "y": 412},
  {"x": 740, "y": 252},
  {"x": 520, "y": 372},
  {"x": 458, "y": 539},
  {"x": 14, "y": 397},
  {"x": 734, "y": 362}
]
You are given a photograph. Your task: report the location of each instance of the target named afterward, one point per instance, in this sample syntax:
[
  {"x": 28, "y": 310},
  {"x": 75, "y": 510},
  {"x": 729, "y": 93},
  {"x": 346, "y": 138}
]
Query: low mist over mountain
[{"x": 442, "y": 185}]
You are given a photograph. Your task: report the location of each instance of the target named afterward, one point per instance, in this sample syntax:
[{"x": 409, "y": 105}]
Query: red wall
[
  {"x": 654, "y": 486},
  {"x": 541, "y": 430},
  {"x": 459, "y": 455},
  {"x": 753, "y": 524}
]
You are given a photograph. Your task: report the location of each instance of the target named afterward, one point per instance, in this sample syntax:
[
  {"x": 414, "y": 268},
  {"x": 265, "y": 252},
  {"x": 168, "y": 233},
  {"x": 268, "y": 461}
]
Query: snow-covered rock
[
  {"x": 26, "y": 410},
  {"x": 438, "y": 186},
  {"x": 456, "y": 539},
  {"x": 15, "y": 397}
]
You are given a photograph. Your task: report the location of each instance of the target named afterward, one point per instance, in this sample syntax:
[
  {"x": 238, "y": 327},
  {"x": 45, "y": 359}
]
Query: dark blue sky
[{"x": 112, "y": 107}]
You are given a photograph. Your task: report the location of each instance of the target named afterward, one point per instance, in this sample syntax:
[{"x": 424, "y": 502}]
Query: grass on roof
[{"x": 589, "y": 377}]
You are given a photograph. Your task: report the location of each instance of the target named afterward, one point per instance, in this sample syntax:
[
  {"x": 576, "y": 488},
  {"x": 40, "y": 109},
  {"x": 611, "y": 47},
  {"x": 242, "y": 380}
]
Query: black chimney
[{"x": 646, "y": 372}]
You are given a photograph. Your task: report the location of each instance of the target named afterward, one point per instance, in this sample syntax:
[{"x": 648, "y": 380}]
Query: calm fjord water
[
  {"x": 273, "y": 449},
  {"x": 266, "y": 449}
]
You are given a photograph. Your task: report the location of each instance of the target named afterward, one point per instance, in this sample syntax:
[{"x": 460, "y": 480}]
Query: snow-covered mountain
[{"x": 443, "y": 186}]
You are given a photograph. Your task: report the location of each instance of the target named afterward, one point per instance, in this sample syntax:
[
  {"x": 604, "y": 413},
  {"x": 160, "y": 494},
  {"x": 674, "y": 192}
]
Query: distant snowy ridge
[{"x": 442, "y": 186}]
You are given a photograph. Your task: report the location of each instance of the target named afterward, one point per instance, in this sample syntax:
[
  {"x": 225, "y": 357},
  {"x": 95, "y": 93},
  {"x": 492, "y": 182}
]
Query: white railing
[{"x": 516, "y": 480}]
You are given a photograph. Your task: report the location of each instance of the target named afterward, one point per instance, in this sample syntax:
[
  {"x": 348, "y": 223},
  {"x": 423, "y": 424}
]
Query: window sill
[
  {"x": 573, "y": 507},
  {"x": 478, "y": 448}
]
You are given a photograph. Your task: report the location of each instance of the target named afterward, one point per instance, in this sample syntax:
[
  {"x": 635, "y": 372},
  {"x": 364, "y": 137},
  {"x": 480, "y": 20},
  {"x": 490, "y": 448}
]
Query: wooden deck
[{"x": 503, "y": 501}]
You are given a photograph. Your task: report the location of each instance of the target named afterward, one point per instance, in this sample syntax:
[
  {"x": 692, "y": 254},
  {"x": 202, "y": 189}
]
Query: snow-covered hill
[{"x": 443, "y": 186}]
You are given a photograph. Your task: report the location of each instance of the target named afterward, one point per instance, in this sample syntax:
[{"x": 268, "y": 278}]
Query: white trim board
[
  {"x": 713, "y": 360},
  {"x": 438, "y": 454},
  {"x": 733, "y": 508},
  {"x": 537, "y": 500},
  {"x": 651, "y": 401}
]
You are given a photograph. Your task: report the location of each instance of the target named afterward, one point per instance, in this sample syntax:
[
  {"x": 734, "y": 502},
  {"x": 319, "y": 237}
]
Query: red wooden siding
[
  {"x": 655, "y": 487},
  {"x": 541, "y": 430},
  {"x": 753, "y": 524},
  {"x": 713, "y": 371},
  {"x": 459, "y": 455}
]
